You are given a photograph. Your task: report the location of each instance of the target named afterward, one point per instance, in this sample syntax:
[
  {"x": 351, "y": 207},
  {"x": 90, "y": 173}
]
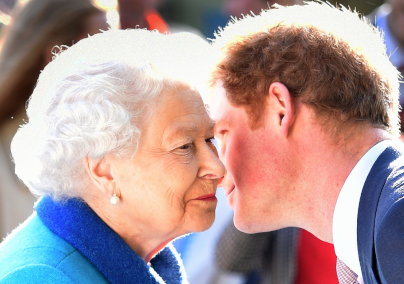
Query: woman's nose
[{"x": 211, "y": 166}]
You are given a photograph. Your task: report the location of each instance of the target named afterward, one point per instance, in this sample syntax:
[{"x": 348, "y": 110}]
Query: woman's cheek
[{"x": 199, "y": 215}]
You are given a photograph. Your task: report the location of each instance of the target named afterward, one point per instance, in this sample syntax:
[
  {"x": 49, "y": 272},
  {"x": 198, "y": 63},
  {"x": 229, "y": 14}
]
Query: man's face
[{"x": 257, "y": 168}]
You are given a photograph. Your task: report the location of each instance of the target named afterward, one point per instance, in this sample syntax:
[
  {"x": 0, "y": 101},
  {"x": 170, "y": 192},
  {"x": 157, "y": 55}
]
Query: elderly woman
[{"x": 119, "y": 147}]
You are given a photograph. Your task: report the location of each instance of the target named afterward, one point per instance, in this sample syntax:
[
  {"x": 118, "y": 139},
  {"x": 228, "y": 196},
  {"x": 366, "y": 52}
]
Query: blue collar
[{"x": 77, "y": 223}]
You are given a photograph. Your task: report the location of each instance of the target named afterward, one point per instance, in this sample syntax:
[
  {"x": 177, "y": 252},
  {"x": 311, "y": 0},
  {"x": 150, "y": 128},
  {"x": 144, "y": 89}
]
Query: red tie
[{"x": 345, "y": 274}]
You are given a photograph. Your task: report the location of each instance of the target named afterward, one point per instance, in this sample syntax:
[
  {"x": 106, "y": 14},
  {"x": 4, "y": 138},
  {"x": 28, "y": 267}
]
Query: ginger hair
[{"x": 339, "y": 79}]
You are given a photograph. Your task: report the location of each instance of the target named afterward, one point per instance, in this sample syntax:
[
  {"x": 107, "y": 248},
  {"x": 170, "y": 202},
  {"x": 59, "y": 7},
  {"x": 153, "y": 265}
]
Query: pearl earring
[{"x": 114, "y": 199}]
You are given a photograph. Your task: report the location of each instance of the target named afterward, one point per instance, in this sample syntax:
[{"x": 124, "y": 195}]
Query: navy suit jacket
[{"x": 381, "y": 220}]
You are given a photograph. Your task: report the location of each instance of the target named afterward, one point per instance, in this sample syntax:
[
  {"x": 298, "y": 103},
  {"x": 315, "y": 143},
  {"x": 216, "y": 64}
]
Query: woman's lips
[{"x": 208, "y": 197}]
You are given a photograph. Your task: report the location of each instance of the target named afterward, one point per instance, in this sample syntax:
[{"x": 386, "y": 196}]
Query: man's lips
[
  {"x": 207, "y": 197},
  {"x": 230, "y": 190},
  {"x": 220, "y": 180}
]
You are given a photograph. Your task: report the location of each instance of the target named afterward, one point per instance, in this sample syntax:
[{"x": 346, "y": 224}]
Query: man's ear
[
  {"x": 100, "y": 173},
  {"x": 280, "y": 95}
]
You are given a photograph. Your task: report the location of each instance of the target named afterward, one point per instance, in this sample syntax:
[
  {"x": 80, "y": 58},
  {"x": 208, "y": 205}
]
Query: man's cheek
[
  {"x": 237, "y": 157},
  {"x": 221, "y": 149}
]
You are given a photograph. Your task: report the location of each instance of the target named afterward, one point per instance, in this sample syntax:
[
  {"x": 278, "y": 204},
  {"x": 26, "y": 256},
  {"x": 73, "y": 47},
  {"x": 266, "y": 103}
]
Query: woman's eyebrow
[{"x": 179, "y": 129}]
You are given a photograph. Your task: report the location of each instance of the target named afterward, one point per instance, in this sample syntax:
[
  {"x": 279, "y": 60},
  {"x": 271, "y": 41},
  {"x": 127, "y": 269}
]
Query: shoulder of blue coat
[
  {"x": 35, "y": 274},
  {"x": 33, "y": 247},
  {"x": 33, "y": 242}
]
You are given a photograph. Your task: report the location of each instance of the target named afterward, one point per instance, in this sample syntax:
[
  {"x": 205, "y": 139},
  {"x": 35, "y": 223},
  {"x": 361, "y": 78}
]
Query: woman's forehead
[
  {"x": 182, "y": 113},
  {"x": 180, "y": 102}
]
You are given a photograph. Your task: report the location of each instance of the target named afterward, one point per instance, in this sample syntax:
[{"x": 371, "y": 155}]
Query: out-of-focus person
[
  {"x": 141, "y": 14},
  {"x": 389, "y": 18},
  {"x": 285, "y": 256},
  {"x": 144, "y": 14},
  {"x": 236, "y": 8},
  {"x": 123, "y": 160},
  {"x": 6, "y": 7},
  {"x": 27, "y": 46}
]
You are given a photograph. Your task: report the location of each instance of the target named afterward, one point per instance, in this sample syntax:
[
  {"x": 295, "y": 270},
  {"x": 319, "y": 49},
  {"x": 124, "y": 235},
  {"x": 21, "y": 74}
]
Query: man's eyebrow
[{"x": 212, "y": 125}]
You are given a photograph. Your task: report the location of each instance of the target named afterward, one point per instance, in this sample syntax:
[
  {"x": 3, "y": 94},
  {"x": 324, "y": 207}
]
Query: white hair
[{"x": 93, "y": 99}]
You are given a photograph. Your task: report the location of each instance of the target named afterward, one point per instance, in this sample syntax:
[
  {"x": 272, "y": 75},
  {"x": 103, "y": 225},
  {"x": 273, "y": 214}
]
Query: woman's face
[{"x": 169, "y": 185}]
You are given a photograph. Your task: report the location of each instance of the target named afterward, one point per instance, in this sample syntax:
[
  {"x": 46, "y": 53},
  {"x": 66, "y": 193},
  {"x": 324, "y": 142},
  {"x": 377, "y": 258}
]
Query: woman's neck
[{"x": 140, "y": 238}]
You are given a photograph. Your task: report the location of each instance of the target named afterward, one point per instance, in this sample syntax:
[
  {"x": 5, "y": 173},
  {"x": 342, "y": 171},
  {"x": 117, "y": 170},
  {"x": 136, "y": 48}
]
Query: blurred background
[
  {"x": 205, "y": 15},
  {"x": 29, "y": 30},
  {"x": 202, "y": 15}
]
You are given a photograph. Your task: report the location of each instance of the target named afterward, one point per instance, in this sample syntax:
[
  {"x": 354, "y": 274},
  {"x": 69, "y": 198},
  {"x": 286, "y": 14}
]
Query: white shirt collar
[{"x": 345, "y": 216}]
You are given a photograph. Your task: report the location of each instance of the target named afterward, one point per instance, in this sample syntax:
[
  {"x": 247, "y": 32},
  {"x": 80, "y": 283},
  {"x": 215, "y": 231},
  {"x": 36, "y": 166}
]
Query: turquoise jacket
[{"x": 68, "y": 243}]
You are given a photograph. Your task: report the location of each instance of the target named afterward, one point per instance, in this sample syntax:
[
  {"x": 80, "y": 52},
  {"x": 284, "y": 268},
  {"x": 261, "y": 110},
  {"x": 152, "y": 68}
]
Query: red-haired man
[{"x": 306, "y": 105}]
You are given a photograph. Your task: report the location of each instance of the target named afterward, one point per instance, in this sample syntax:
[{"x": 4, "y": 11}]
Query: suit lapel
[{"x": 367, "y": 213}]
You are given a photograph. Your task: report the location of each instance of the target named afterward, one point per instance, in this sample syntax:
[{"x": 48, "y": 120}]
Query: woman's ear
[
  {"x": 100, "y": 173},
  {"x": 279, "y": 94}
]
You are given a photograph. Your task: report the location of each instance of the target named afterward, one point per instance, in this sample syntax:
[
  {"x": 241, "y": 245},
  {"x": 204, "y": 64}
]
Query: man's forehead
[{"x": 218, "y": 101}]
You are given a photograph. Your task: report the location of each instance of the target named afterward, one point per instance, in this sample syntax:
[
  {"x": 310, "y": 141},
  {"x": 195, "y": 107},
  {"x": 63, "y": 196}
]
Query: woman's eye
[
  {"x": 209, "y": 140},
  {"x": 185, "y": 147}
]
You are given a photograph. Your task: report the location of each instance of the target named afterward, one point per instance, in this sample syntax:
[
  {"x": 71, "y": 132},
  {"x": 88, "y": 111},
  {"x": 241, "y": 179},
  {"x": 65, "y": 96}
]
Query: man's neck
[{"x": 326, "y": 170}]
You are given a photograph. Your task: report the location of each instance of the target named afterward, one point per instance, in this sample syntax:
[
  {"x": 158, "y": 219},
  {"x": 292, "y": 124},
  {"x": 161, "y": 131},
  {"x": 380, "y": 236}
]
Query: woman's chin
[
  {"x": 203, "y": 227},
  {"x": 201, "y": 221}
]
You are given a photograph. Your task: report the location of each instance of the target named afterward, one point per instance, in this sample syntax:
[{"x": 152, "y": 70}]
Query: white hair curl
[{"x": 92, "y": 99}]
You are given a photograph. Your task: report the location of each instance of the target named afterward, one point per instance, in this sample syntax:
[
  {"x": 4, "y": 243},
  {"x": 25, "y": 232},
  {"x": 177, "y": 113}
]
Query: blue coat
[
  {"x": 68, "y": 243},
  {"x": 381, "y": 220}
]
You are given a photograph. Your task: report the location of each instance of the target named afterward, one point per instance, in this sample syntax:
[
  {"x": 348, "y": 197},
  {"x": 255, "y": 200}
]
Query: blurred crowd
[{"x": 33, "y": 31}]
